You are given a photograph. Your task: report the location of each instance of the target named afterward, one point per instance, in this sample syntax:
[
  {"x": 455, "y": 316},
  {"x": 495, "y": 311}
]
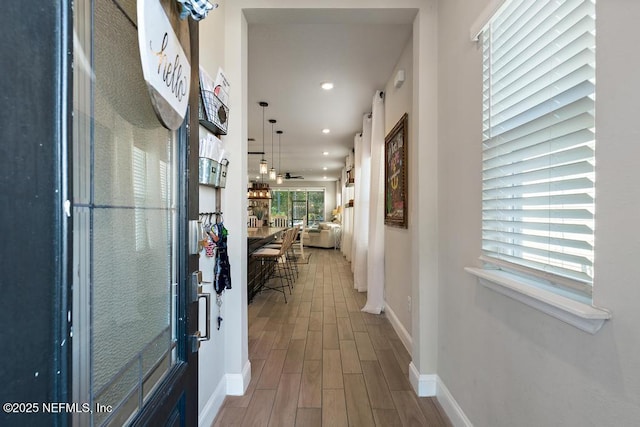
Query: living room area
[
  {"x": 315, "y": 208},
  {"x": 322, "y": 235}
]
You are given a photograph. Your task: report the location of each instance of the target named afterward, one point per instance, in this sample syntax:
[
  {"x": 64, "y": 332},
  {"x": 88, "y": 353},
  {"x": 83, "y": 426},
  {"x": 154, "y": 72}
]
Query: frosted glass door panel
[
  {"x": 133, "y": 221},
  {"x": 116, "y": 181},
  {"x": 131, "y": 292}
]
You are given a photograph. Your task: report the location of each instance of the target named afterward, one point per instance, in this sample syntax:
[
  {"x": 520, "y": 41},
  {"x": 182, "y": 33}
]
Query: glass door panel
[
  {"x": 298, "y": 207},
  {"x": 127, "y": 251},
  {"x": 315, "y": 207}
]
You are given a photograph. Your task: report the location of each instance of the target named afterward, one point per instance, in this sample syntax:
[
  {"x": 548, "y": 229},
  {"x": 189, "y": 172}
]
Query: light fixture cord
[
  {"x": 261, "y": 174},
  {"x": 279, "y": 151},
  {"x": 271, "y": 144},
  {"x": 263, "y": 133}
]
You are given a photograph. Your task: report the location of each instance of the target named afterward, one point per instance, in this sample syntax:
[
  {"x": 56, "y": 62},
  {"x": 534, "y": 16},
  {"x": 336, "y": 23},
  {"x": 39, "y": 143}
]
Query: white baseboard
[
  {"x": 432, "y": 386},
  {"x": 237, "y": 383},
  {"x": 402, "y": 332},
  {"x": 213, "y": 405},
  {"x": 451, "y": 407},
  {"x": 423, "y": 385},
  {"x": 230, "y": 384}
]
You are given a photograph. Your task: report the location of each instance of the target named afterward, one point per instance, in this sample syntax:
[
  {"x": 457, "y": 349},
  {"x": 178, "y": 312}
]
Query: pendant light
[
  {"x": 263, "y": 161},
  {"x": 272, "y": 171},
  {"x": 279, "y": 176}
]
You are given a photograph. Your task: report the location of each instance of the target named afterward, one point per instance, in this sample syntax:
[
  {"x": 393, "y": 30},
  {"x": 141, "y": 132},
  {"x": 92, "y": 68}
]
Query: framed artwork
[{"x": 395, "y": 174}]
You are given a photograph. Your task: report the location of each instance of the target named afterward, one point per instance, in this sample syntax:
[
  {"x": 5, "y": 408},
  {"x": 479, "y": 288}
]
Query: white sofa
[{"x": 322, "y": 237}]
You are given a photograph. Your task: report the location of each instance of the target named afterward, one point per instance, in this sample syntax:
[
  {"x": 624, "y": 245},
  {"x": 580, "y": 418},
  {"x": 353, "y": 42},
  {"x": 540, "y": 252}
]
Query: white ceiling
[{"x": 291, "y": 52}]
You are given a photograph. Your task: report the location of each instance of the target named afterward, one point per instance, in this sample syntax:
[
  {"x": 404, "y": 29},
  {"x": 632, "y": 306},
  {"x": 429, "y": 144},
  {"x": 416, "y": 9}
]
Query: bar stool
[
  {"x": 273, "y": 261},
  {"x": 337, "y": 237},
  {"x": 292, "y": 257},
  {"x": 290, "y": 254},
  {"x": 300, "y": 241},
  {"x": 286, "y": 261},
  {"x": 299, "y": 238}
]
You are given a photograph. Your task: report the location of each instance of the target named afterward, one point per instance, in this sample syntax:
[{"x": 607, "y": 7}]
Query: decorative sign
[{"x": 165, "y": 66}]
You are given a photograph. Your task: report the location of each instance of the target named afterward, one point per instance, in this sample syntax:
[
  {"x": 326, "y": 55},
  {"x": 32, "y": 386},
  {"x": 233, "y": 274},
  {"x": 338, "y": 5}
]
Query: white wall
[
  {"x": 397, "y": 263},
  {"x": 505, "y": 363},
  {"x": 211, "y": 368},
  {"x": 211, "y": 374},
  {"x": 237, "y": 365},
  {"x": 212, "y": 40},
  {"x": 424, "y": 244}
]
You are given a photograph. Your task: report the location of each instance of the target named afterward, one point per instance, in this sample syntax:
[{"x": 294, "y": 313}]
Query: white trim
[
  {"x": 424, "y": 385},
  {"x": 433, "y": 386},
  {"x": 484, "y": 18},
  {"x": 583, "y": 316},
  {"x": 213, "y": 405},
  {"x": 451, "y": 407},
  {"x": 237, "y": 383},
  {"x": 491, "y": 263},
  {"x": 402, "y": 332}
]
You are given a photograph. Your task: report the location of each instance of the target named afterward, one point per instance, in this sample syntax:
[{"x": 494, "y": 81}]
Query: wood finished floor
[{"x": 320, "y": 361}]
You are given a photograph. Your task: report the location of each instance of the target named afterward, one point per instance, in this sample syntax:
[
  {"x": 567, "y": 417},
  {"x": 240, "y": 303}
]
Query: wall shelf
[
  {"x": 212, "y": 113},
  {"x": 211, "y": 127},
  {"x": 350, "y": 177}
]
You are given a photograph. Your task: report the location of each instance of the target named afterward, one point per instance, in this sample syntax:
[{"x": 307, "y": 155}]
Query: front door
[{"x": 133, "y": 311}]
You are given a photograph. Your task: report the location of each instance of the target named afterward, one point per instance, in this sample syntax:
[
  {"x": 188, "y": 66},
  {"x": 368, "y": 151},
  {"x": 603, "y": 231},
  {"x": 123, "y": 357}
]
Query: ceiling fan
[{"x": 288, "y": 175}]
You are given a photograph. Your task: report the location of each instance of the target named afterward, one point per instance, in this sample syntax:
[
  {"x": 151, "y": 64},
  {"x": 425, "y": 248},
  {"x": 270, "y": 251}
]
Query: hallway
[{"x": 318, "y": 360}]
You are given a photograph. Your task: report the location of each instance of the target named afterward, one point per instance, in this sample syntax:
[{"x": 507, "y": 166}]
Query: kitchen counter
[{"x": 263, "y": 232}]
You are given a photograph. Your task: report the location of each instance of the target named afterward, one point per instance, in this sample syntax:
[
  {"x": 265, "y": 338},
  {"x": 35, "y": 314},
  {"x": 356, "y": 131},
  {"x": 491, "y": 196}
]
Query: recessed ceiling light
[
  {"x": 326, "y": 130},
  {"x": 327, "y": 85},
  {"x": 258, "y": 177},
  {"x": 326, "y": 153},
  {"x": 324, "y": 168},
  {"x": 324, "y": 177}
]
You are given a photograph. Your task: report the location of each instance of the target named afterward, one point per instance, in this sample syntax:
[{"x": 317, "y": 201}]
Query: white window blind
[
  {"x": 139, "y": 171},
  {"x": 539, "y": 140}
]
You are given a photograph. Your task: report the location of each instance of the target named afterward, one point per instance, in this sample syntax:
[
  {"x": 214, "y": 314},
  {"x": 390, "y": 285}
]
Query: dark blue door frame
[{"x": 34, "y": 269}]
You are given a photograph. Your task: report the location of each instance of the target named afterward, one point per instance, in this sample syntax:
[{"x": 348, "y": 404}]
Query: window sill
[{"x": 583, "y": 316}]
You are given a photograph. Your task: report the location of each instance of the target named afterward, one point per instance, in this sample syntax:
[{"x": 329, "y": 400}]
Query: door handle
[{"x": 196, "y": 296}]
